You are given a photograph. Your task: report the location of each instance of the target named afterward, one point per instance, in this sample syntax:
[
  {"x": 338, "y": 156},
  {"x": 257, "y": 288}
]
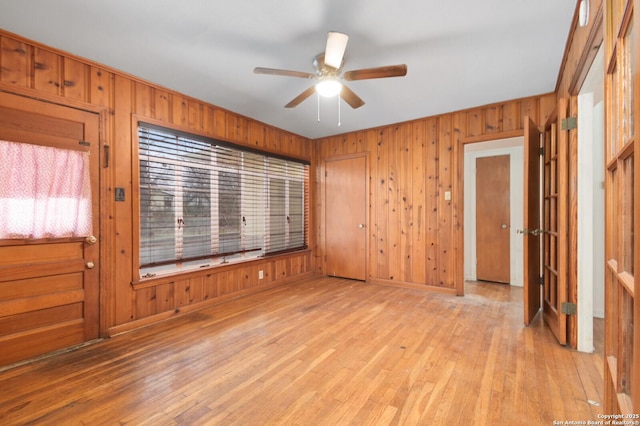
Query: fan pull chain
[
  {"x": 339, "y": 121},
  {"x": 318, "y": 96}
]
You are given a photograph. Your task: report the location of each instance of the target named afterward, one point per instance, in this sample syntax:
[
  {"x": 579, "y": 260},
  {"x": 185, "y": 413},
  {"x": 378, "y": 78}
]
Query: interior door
[
  {"x": 493, "y": 218},
  {"x": 531, "y": 221},
  {"x": 555, "y": 181},
  {"x": 49, "y": 287},
  {"x": 346, "y": 217}
]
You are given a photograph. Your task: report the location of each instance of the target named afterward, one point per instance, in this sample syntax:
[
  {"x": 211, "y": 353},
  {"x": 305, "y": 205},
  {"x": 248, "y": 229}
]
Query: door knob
[
  {"x": 361, "y": 225},
  {"x": 534, "y": 232},
  {"x": 90, "y": 265},
  {"x": 504, "y": 226},
  {"x": 91, "y": 239}
]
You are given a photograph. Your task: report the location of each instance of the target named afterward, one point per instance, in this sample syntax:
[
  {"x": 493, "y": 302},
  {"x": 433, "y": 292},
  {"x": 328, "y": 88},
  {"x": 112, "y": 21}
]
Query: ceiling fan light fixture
[{"x": 328, "y": 87}]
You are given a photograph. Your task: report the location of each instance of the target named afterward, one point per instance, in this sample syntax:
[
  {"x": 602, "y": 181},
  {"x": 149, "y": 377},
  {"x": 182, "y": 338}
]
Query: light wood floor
[{"x": 321, "y": 352}]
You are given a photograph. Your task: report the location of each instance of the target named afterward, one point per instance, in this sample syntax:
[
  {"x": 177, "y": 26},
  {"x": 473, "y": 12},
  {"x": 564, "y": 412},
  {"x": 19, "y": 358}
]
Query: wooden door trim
[
  {"x": 323, "y": 200},
  {"x": 532, "y": 298},
  {"x": 553, "y": 315},
  {"x": 492, "y": 137}
]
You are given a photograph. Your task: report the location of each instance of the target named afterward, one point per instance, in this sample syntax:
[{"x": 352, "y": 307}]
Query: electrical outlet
[{"x": 260, "y": 275}]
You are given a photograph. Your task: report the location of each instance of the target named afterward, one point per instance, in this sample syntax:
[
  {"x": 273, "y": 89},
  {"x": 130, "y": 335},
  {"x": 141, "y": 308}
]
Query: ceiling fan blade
[
  {"x": 351, "y": 98},
  {"x": 334, "y": 52},
  {"x": 301, "y": 97},
  {"x": 285, "y": 73},
  {"x": 379, "y": 72}
]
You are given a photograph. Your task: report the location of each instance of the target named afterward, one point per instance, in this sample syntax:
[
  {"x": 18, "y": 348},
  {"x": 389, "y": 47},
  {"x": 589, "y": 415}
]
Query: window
[
  {"x": 205, "y": 201},
  {"x": 45, "y": 192}
]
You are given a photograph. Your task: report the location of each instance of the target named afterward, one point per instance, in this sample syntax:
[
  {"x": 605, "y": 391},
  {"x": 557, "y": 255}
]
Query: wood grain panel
[
  {"x": 120, "y": 306},
  {"x": 53, "y": 283},
  {"x": 194, "y": 115},
  {"x": 100, "y": 87},
  {"x": 47, "y": 75},
  {"x": 16, "y": 66},
  {"x": 475, "y": 122},
  {"x": 416, "y": 150},
  {"x": 510, "y": 116},
  {"x": 75, "y": 79},
  {"x": 220, "y": 123},
  {"x": 257, "y": 134},
  {"x": 164, "y": 298},
  {"x": 40, "y": 318},
  {"x": 404, "y": 138},
  {"x": 34, "y": 303},
  {"x": 382, "y": 205},
  {"x": 16, "y": 255},
  {"x": 143, "y": 100},
  {"x": 431, "y": 194},
  {"x": 49, "y": 128},
  {"x": 393, "y": 219},
  {"x": 197, "y": 288},
  {"x": 274, "y": 140},
  {"x": 448, "y": 128},
  {"x": 180, "y": 111},
  {"x": 49, "y": 338},
  {"x": 492, "y": 120},
  {"x": 161, "y": 102},
  {"x": 181, "y": 290}
]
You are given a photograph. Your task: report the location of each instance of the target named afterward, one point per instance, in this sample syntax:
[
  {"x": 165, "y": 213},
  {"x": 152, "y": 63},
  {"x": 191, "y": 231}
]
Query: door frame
[
  {"x": 323, "y": 198},
  {"x": 590, "y": 279},
  {"x": 104, "y": 184},
  {"x": 459, "y": 183}
]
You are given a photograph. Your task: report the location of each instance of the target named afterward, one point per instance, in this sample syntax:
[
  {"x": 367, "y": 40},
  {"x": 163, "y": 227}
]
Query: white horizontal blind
[{"x": 202, "y": 199}]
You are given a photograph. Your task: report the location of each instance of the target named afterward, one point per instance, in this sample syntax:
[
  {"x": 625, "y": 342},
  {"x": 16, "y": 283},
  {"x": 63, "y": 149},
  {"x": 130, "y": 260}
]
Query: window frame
[{"x": 140, "y": 272}]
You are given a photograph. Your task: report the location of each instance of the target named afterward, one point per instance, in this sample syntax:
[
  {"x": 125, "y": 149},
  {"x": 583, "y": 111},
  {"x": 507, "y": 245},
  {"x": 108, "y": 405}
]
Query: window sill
[{"x": 174, "y": 275}]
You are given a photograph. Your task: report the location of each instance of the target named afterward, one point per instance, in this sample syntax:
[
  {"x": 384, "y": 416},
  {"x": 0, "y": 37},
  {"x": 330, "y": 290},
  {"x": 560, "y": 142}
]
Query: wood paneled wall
[
  {"x": 31, "y": 69},
  {"x": 415, "y": 235}
]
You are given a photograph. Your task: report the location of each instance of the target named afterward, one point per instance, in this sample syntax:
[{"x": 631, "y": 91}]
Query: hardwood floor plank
[{"x": 321, "y": 351}]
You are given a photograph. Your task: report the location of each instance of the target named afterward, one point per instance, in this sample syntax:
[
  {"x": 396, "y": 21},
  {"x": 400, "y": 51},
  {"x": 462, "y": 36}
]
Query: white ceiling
[{"x": 459, "y": 53}]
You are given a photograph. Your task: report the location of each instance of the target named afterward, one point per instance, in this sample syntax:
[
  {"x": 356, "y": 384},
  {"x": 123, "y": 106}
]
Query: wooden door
[
  {"x": 493, "y": 246},
  {"x": 531, "y": 221},
  {"x": 622, "y": 193},
  {"x": 346, "y": 217},
  {"x": 555, "y": 237},
  {"x": 49, "y": 287}
]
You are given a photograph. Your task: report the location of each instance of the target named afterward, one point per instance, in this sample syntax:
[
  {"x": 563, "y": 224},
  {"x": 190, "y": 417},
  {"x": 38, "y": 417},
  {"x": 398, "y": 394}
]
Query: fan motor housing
[{"x": 324, "y": 70}]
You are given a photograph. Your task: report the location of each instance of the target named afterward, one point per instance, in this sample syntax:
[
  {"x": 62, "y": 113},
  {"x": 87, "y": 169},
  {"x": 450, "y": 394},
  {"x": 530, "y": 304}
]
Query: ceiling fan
[{"x": 328, "y": 72}]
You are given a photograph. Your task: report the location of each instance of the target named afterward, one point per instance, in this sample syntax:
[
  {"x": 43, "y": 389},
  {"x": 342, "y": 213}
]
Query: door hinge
[
  {"x": 569, "y": 123},
  {"x": 569, "y": 308},
  {"x": 541, "y": 151},
  {"x": 541, "y": 281}
]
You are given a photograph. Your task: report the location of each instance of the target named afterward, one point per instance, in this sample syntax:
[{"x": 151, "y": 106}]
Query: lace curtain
[{"x": 44, "y": 192}]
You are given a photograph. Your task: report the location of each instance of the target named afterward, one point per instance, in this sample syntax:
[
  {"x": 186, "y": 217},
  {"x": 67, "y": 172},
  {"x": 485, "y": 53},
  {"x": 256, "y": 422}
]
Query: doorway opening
[
  {"x": 591, "y": 205},
  {"x": 514, "y": 149}
]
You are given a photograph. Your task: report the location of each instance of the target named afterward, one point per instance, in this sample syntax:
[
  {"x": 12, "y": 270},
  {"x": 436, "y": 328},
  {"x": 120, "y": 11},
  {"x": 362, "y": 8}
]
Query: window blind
[{"x": 201, "y": 198}]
